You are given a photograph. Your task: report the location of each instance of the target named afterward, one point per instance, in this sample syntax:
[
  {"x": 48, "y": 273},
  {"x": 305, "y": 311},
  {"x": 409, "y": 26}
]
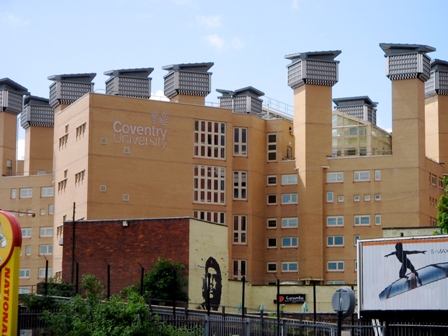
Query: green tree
[{"x": 442, "y": 208}]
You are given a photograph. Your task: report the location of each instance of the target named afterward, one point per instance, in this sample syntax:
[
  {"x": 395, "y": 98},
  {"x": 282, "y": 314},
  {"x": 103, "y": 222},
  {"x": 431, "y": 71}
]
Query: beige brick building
[{"x": 295, "y": 190}]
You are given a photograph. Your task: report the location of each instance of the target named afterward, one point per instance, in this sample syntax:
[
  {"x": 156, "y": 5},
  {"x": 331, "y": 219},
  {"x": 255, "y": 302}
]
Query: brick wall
[{"x": 99, "y": 243}]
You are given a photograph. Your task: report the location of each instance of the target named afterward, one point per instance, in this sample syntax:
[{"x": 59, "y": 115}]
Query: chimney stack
[
  {"x": 66, "y": 89},
  {"x": 245, "y": 100},
  {"x": 129, "y": 83}
]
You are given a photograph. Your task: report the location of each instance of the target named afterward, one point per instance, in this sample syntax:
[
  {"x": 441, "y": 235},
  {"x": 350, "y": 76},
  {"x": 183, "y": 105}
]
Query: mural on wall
[{"x": 213, "y": 292}]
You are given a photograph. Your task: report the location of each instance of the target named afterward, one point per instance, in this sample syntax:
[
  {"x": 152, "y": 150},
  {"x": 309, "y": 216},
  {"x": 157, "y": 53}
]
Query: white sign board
[{"x": 403, "y": 274}]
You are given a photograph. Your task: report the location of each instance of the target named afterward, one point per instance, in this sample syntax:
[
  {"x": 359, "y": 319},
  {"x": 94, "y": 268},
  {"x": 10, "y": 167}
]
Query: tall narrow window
[
  {"x": 240, "y": 185},
  {"x": 239, "y": 269},
  {"x": 239, "y": 229},
  {"x": 272, "y": 147},
  {"x": 209, "y": 184},
  {"x": 240, "y": 141}
]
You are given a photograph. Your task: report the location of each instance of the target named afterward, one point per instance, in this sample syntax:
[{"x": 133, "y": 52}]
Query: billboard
[{"x": 403, "y": 274}]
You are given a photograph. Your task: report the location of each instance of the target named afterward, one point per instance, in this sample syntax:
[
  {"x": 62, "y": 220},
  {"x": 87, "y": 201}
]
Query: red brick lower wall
[{"x": 99, "y": 243}]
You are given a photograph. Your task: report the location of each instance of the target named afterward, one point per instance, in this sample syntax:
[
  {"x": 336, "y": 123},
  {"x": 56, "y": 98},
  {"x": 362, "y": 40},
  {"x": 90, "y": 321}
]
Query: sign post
[{"x": 10, "y": 244}]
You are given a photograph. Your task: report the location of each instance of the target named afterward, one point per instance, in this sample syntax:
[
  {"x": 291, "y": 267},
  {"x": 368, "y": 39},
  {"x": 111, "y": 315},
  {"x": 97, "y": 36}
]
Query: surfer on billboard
[{"x": 402, "y": 256}]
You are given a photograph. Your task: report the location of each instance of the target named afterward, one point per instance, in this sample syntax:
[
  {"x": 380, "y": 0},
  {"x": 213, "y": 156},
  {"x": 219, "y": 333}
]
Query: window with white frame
[
  {"x": 272, "y": 223},
  {"x": 289, "y": 242},
  {"x": 240, "y": 141},
  {"x": 210, "y": 216},
  {"x": 50, "y": 209},
  {"x": 240, "y": 185},
  {"x": 42, "y": 273},
  {"x": 335, "y": 177},
  {"x": 289, "y": 222},
  {"x": 13, "y": 193},
  {"x": 377, "y": 175},
  {"x": 340, "y": 199},
  {"x": 272, "y": 147},
  {"x": 24, "y": 273},
  {"x": 335, "y": 241},
  {"x": 361, "y": 175},
  {"x": 377, "y": 219},
  {"x": 336, "y": 282},
  {"x": 209, "y": 139},
  {"x": 289, "y": 179},
  {"x": 272, "y": 242},
  {"x": 239, "y": 269},
  {"x": 335, "y": 266},
  {"x": 335, "y": 220},
  {"x": 26, "y": 232},
  {"x": 47, "y": 192},
  {"x": 25, "y": 290},
  {"x": 355, "y": 239},
  {"x": 272, "y": 199},
  {"x": 367, "y": 198},
  {"x": 209, "y": 184},
  {"x": 26, "y": 192},
  {"x": 45, "y": 249},
  {"x": 377, "y": 197},
  {"x": 239, "y": 229},
  {"x": 330, "y": 196},
  {"x": 290, "y": 266},
  {"x": 356, "y": 198},
  {"x": 289, "y": 198},
  {"x": 46, "y": 231},
  {"x": 362, "y": 219},
  {"x": 28, "y": 250},
  {"x": 272, "y": 267},
  {"x": 271, "y": 180}
]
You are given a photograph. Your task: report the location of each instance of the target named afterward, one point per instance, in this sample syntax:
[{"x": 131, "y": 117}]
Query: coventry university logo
[{"x": 159, "y": 119}]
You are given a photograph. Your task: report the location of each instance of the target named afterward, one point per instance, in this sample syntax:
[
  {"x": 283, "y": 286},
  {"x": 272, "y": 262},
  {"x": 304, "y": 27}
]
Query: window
[
  {"x": 289, "y": 179},
  {"x": 272, "y": 199},
  {"x": 377, "y": 197},
  {"x": 13, "y": 193},
  {"x": 126, "y": 197},
  {"x": 356, "y": 198},
  {"x": 24, "y": 273},
  {"x": 335, "y": 220},
  {"x": 340, "y": 199},
  {"x": 361, "y": 175},
  {"x": 47, "y": 192},
  {"x": 240, "y": 141},
  {"x": 28, "y": 250},
  {"x": 46, "y": 232},
  {"x": 272, "y": 242},
  {"x": 377, "y": 219},
  {"x": 289, "y": 198},
  {"x": 239, "y": 229},
  {"x": 356, "y": 238},
  {"x": 291, "y": 222},
  {"x": 209, "y": 139},
  {"x": 335, "y": 282},
  {"x": 63, "y": 141},
  {"x": 62, "y": 184},
  {"x": 42, "y": 273},
  {"x": 441, "y": 184},
  {"x": 290, "y": 266},
  {"x": 42, "y": 212},
  {"x": 29, "y": 213},
  {"x": 25, "y": 290},
  {"x": 335, "y": 266},
  {"x": 26, "y": 192},
  {"x": 210, "y": 216},
  {"x": 272, "y": 180},
  {"x": 240, "y": 185},
  {"x": 433, "y": 179},
  {"x": 335, "y": 241},
  {"x": 289, "y": 242},
  {"x": 272, "y": 147},
  {"x": 239, "y": 269},
  {"x": 272, "y": 223},
  {"x": 50, "y": 209},
  {"x": 335, "y": 177},
  {"x": 45, "y": 249},
  {"x": 26, "y": 232},
  {"x": 272, "y": 267},
  {"x": 79, "y": 177},
  {"x": 80, "y": 130},
  {"x": 362, "y": 220},
  {"x": 330, "y": 196},
  {"x": 366, "y": 198},
  {"x": 377, "y": 175},
  {"x": 209, "y": 184}
]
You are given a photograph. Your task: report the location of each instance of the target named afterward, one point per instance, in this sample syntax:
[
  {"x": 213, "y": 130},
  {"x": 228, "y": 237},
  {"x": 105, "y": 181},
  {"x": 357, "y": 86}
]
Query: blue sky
[{"x": 246, "y": 40}]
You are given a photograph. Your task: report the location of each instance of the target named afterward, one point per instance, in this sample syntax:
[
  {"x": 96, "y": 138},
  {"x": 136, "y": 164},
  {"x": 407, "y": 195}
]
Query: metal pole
[
  {"x": 314, "y": 302},
  {"x": 243, "y": 292},
  {"x": 77, "y": 277},
  {"x": 46, "y": 276},
  {"x": 208, "y": 293},
  {"x": 278, "y": 307},
  {"x": 142, "y": 276},
  {"x": 73, "y": 243}
]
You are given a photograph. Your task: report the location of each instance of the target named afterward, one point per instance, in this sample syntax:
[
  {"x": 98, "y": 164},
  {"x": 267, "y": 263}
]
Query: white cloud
[
  {"x": 20, "y": 149},
  {"x": 12, "y": 20},
  {"x": 209, "y": 21},
  {"x": 295, "y": 4},
  {"x": 215, "y": 41},
  {"x": 159, "y": 96}
]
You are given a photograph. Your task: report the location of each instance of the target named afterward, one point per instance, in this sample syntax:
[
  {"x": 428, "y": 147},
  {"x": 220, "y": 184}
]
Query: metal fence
[{"x": 199, "y": 323}]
